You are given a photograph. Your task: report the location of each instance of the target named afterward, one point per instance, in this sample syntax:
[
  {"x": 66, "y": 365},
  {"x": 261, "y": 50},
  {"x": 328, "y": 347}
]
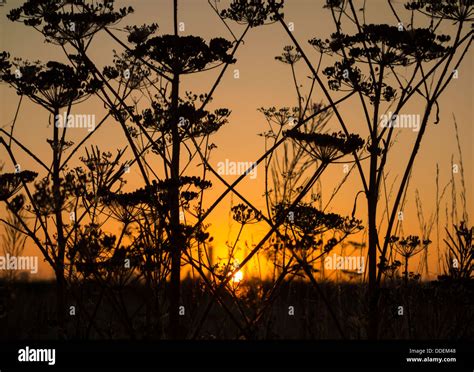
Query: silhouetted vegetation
[{"x": 139, "y": 263}]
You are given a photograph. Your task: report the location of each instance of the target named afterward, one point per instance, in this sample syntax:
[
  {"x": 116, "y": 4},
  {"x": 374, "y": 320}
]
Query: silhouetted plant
[
  {"x": 68, "y": 21},
  {"x": 162, "y": 221},
  {"x": 327, "y": 147},
  {"x": 370, "y": 64},
  {"x": 252, "y": 12},
  {"x": 408, "y": 247},
  {"x": 13, "y": 240},
  {"x": 459, "y": 260},
  {"x": 11, "y": 183}
]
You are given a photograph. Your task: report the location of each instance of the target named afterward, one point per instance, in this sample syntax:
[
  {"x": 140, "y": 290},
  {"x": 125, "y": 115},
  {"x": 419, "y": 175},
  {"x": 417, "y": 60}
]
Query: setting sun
[{"x": 238, "y": 276}]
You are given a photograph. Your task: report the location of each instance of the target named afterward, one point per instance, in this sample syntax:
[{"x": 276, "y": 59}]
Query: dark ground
[{"x": 434, "y": 310}]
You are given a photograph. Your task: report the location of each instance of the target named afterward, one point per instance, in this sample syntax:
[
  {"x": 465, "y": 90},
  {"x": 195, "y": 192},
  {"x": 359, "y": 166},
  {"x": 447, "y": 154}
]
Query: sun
[{"x": 238, "y": 276}]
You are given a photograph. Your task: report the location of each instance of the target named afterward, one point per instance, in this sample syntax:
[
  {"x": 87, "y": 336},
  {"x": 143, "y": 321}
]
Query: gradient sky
[{"x": 263, "y": 82}]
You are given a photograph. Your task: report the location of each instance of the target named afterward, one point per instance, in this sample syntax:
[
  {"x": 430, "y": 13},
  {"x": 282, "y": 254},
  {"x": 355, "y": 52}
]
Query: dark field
[{"x": 434, "y": 310}]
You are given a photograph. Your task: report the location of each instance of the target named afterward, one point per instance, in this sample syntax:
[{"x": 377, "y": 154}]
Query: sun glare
[{"x": 238, "y": 276}]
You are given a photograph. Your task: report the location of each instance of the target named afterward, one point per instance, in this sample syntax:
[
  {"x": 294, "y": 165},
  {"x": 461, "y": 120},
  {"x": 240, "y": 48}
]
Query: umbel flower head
[
  {"x": 252, "y": 12},
  {"x": 10, "y": 183},
  {"x": 47, "y": 200},
  {"x": 52, "y": 85},
  {"x": 281, "y": 116},
  {"x": 311, "y": 220},
  {"x": 386, "y": 45},
  {"x": 409, "y": 246},
  {"x": 326, "y": 147},
  {"x": 129, "y": 71},
  {"x": 243, "y": 214},
  {"x": 193, "y": 121},
  {"x": 61, "y": 21},
  {"x": 92, "y": 251},
  {"x": 157, "y": 193},
  {"x": 289, "y": 56},
  {"x": 381, "y": 45},
  {"x": 455, "y": 10},
  {"x": 184, "y": 54},
  {"x": 344, "y": 75},
  {"x": 308, "y": 223}
]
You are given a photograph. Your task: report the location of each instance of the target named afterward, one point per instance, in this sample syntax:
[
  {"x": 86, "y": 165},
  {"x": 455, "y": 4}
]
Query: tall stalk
[{"x": 176, "y": 240}]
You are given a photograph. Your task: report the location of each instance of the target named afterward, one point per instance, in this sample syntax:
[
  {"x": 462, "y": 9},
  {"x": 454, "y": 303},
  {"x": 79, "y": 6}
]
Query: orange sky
[{"x": 263, "y": 82}]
